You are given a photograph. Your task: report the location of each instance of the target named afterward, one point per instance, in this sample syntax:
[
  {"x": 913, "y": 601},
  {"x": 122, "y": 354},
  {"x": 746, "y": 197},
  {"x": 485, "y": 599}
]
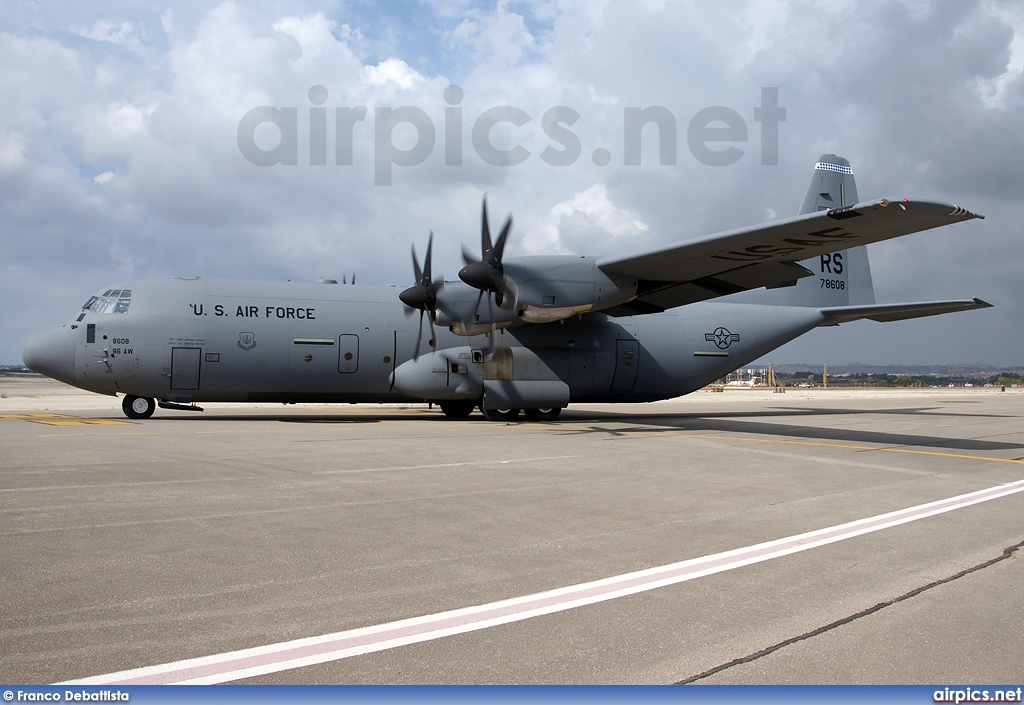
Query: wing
[{"x": 766, "y": 255}]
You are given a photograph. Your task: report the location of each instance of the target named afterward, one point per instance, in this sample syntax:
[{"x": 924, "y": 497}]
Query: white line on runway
[{"x": 248, "y": 663}]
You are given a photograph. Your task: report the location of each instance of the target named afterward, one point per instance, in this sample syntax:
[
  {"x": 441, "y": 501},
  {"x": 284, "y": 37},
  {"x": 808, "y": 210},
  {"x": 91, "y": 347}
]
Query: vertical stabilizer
[
  {"x": 840, "y": 278},
  {"x": 832, "y": 185}
]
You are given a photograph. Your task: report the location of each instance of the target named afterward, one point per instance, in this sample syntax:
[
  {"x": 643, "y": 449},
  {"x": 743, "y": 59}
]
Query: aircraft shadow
[
  {"x": 628, "y": 423},
  {"x": 746, "y": 422}
]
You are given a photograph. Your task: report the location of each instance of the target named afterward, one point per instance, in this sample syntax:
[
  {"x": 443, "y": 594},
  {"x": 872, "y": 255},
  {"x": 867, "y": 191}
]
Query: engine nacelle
[
  {"x": 438, "y": 376},
  {"x": 464, "y": 311},
  {"x": 545, "y": 288},
  {"x": 551, "y": 288}
]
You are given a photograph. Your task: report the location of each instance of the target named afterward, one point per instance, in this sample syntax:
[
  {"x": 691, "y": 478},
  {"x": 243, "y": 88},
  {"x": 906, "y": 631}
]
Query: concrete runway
[{"x": 132, "y": 544}]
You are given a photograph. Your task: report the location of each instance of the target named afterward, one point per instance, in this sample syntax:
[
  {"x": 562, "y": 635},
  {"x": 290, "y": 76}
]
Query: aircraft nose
[{"x": 52, "y": 354}]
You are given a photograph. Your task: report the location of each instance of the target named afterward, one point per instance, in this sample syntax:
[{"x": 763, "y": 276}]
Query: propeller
[
  {"x": 487, "y": 273},
  {"x": 423, "y": 294}
]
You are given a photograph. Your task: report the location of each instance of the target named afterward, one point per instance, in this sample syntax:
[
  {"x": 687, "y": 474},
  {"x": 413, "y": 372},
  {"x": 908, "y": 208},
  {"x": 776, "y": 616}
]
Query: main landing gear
[
  {"x": 500, "y": 414},
  {"x": 138, "y": 407},
  {"x": 457, "y": 409},
  {"x": 462, "y": 410},
  {"x": 549, "y": 414}
]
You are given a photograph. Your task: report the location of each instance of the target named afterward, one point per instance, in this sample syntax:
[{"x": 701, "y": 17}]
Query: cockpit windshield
[{"x": 112, "y": 301}]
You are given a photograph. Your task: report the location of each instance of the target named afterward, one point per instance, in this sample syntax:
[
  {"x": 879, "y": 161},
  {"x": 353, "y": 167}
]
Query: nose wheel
[{"x": 138, "y": 407}]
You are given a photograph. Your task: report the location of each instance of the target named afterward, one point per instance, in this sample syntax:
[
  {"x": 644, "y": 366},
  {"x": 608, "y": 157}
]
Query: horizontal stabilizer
[{"x": 883, "y": 313}]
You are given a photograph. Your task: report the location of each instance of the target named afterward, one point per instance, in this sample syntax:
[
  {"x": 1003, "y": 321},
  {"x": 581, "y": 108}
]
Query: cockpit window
[{"x": 112, "y": 301}]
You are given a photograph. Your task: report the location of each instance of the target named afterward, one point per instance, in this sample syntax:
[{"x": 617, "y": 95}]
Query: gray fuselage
[{"x": 200, "y": 340}]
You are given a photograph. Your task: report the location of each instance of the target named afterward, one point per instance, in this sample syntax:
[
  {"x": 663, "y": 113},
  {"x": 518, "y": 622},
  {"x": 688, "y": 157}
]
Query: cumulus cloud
[{"x": 589, "y": 222}]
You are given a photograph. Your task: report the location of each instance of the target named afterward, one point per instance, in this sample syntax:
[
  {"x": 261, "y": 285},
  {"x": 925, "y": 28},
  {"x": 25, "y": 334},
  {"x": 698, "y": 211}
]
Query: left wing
[{"x": 766, "y": 255}]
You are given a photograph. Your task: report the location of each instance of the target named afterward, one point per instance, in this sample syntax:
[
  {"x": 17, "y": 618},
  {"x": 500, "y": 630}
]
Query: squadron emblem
[{"x": 247, "y": 341}]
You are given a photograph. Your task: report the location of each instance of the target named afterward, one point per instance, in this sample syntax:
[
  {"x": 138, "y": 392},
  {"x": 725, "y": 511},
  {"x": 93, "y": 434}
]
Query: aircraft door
[
  {"x": 627, "y": 355},
  {"x": 185, "y": 363},
  {"x": 95, "y": 352},
  {"x": 92, "y": 360},
  {"x": 348, "y": 353}
]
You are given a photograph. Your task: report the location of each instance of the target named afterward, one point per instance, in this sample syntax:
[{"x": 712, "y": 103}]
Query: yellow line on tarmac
[
  {"x": 64, "y": 420},
  {"x": 854, "y": 447}
]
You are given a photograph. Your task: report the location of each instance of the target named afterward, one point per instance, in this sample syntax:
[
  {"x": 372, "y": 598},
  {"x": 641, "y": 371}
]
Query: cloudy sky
[{"x": 122, "y": 157}]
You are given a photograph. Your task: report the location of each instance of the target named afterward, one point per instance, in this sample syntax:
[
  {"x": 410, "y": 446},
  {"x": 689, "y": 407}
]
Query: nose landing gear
[{"x": 138, "y": 407}]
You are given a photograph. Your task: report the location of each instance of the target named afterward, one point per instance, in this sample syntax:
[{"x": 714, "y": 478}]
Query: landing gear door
[
  {"x": 185, "y": 364},
  {"x": 627, "y": 355}
]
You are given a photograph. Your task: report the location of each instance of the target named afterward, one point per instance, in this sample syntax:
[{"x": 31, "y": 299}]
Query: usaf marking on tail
[{"x": 532, "y": 333}]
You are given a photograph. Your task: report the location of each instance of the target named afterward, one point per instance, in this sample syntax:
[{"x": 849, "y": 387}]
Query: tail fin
[
  {"x": 841, "y": 278},
  {"x": 832, "y": 185}
]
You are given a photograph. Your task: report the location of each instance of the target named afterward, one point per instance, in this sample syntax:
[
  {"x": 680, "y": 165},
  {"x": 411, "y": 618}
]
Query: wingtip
[
  {"x": 982, "y": 304},
  {"x": 963, "y": 212}
]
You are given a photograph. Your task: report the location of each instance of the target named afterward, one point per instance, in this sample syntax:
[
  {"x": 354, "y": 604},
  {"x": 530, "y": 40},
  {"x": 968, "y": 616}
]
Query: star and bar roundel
[{"x": 722, "y": 338}]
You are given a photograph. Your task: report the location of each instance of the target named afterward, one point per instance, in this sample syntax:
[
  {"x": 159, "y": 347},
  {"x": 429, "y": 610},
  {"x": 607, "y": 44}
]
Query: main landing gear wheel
[
  {"x": 457, "y": 409},
  {"x": 549, "y": 414},
  {"x": 500, "y": 414},
  {"x": 138, "y": 407}
]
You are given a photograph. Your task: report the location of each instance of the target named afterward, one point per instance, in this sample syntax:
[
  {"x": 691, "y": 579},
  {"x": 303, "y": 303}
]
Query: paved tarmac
[{"x": 133, "y": 544}]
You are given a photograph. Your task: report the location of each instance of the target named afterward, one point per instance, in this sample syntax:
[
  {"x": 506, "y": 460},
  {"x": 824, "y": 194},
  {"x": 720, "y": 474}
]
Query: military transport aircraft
[{"x": 532, "y": 333}]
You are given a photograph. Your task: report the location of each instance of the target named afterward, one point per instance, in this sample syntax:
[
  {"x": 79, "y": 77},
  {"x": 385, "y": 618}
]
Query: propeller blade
[
  {"x": 499, "y": 247},
  {"x": 485, "y": 235},
  {"x": 490, "y": 335},
  {"x": 419, "y": 337},
  {"x": 423, "y": 294},
  {"x": 426, "y": 260},
  {"x": 416, "y": 265},
  {"x": 510, "y": 297},
  {"x": 487, "y": 273}
]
